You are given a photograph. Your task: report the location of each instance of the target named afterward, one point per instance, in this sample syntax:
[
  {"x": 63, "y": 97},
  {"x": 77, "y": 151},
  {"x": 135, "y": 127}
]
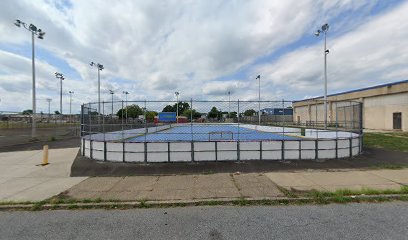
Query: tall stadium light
[
  {"x": 324, "y": 30},
  {"x": 60, "y": 76},
  {"x": 70, "y": 101},
  {"x": 126, "y": 106},
  {"x": 259, "y": 99},
  {"x": 111, "y": 92},
  {"x": 49, "y": 108},
  {"x": 177, "y": 111},
  {"x": 229, "y": 104},
  {"x": 70, "y": 105},
  {"x": 40, "y": 34},
  {"x": 100, "y": 68}
]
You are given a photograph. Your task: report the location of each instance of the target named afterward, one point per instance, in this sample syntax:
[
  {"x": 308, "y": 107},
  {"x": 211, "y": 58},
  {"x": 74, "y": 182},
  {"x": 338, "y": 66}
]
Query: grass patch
[
  {"x": 341, "y": 193},
  {"x": 241, "y": 202},
  {"x": 288, "y": 193},
  {"x": 143, "y": 204},
  {"x": 391, "y": 141}
]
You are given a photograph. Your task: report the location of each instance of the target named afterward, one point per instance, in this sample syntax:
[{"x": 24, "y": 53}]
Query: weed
[{"x": 143, "y": 204}]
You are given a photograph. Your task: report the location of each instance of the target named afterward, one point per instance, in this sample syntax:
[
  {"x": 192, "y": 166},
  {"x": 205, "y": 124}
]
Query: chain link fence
[
  {"x": 15, "y": 127},
  {"x": 141, "y": 121}
]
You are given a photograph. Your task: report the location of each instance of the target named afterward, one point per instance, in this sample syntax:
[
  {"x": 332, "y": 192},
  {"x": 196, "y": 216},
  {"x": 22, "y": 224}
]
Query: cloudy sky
[{"x": 203, "y": 49}]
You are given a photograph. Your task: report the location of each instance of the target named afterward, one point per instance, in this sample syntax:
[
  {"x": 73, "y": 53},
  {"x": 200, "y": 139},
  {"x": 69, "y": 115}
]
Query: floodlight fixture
[{"x": 100, "y": 68}]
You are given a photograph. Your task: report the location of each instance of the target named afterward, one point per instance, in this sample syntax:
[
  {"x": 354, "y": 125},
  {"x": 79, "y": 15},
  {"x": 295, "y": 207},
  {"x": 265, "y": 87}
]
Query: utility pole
[{"x": 177, "y": 111}]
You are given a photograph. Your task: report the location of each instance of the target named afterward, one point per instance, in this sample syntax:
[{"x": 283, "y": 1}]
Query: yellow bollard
[{"x": 45, "y": 155}]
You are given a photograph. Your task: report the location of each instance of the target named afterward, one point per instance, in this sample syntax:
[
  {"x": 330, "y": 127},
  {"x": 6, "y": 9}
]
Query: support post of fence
[
  {"x": 283, "y": 150},
  {"x": 104, "y": 151},
  {"x": 216, "y": 151},
  {"x": 168, "y": 152},
  {"x": 123, "y": 151},
  {"x": 103, "y": 120},
  {"x": 91, "y": 149},
  {"x": 146, "y": 131}
]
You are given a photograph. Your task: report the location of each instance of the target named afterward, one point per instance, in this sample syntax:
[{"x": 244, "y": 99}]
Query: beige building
[{"x": 382, "y": 107}]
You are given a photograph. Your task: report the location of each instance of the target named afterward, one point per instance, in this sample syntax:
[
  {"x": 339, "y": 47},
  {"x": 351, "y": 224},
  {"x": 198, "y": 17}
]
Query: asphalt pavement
[{"x": 348, "y": 221}]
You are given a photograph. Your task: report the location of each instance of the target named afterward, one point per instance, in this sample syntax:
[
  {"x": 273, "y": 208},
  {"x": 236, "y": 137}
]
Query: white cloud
[
  {"x": 371, "y": 54},
  {"x": 161, "y": 47}
]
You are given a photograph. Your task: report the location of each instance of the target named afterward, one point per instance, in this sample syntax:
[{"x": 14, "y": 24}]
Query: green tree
[
  {"x": 214, "y": 113},
  {"x": 169, "y": 108},
  {"x": 57, "y": 112},
  {"x": 187, "y": 113},
  {"x": 232, "y": 115},
  {"x": 133, "y": 111},
  {"x": 182, "y": 106},
  {"x": 27, "y": 112},
  {"x": 150, "y": 115},
  {"x": 249, "y": 112}
]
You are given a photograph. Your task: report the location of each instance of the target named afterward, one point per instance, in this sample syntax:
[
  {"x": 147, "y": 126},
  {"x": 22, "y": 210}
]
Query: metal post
[
  {"x": 238, "y": 120},
  {"x": 33, "y": 124},
  {"x": 177, "y": 110},
  {"x": 99, "y": 91},
  {"x": 61, "y": 95},
  {"x": 325, "y": 82},
  {"x": 191, "y": 118},
  {"x": 259, "y": 100},
  {"x": 229, "y": 104},
  {"x": 126, "y": 108},
  {"x": 112, "y": 105},
  {"x": 283, "y": 122}
]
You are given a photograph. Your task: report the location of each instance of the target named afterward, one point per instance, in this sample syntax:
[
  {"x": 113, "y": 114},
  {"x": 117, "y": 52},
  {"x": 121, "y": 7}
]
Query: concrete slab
[
  {"x": 398, "y": 176},
  {"x": 135, "y": 184},
  {"x": 219, "y": 180},
  {"x": 256, "y": 185},
  {"x": 286, "y": 179},
  {"x": 331, "y": 181},
  {"x": 22, "y": 180},
  {"x": 97, "y": 184},
  {"x": 344, "y": 178},
  {"x": 50, "y": 187},
  {"x": 177, "y": 182}
]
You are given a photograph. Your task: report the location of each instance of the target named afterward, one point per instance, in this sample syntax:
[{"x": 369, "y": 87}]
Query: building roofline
[{"x": 355, "y": 90}]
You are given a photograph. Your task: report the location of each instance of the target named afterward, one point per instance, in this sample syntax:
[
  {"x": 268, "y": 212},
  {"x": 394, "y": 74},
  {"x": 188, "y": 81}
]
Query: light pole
[
  {"x": 60, "y": 76},
  {"x": 177, "y": 111},
  {"x": 112, "y": 92},
  {"x": 70, "y": 101},
  {"x": 324, "y": 30},
  {"x": 34, "y": 31},
  {"x": 229, "y": 104},
  {"x": 259, "y": 98},
  {"x": 49, "y": 108},
  {"x": 100, "y": 68},
  {"x": 70, "y": 104},
  {"x": 126, "y": 93}
]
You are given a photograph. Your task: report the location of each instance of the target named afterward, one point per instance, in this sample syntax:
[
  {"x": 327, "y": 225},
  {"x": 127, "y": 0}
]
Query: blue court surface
[{"x": 209, "y": 133}]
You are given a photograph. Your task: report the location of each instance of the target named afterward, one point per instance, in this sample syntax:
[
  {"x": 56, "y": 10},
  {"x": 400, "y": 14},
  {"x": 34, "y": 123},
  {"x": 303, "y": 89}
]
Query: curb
[{"x": 201, "y": 202}]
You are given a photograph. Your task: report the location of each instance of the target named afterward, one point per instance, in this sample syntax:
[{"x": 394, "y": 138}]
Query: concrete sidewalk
[
  {"x": 331, "y": 181},
  {"x": 22, "y": 180},
  {"x": 232, "y": 186},
  {"x": 177, "y": 187}
]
